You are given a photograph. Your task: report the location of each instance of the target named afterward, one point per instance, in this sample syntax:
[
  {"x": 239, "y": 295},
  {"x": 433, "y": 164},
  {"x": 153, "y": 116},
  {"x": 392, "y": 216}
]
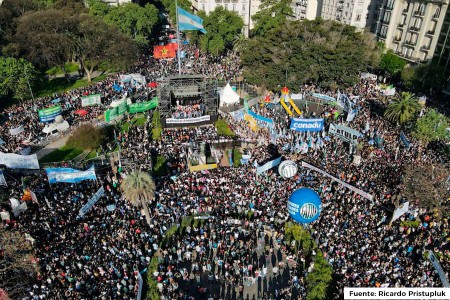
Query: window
[
  {"x": 234, "y": 7},
  {"x": 203, "y": 7},
  {"x": 243, "y": 7},
  {"x": 358, "y": 17},
  {"x": 226, "y": 6}
]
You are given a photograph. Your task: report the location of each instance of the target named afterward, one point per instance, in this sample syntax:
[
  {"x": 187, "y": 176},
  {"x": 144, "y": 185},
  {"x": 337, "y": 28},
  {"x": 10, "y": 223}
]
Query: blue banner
[
  {"x": 405, "y": 140},
  {"x": 87, "y": 207},
  {"x": 307, "y": 124},
  {"x": 260, "y": 120},
  {"x": 323, "y": 97},
  {"x": 70, "y": 175},
  {"x": 267, "y": 166}
]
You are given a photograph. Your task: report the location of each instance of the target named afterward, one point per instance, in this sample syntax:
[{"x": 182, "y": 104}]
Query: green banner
[
  {"x": 111, "y": 114},
  {"x": 143, "y": 106},
  {"x": 122, "y": 108},
  {"x": 49, "y": 114}
]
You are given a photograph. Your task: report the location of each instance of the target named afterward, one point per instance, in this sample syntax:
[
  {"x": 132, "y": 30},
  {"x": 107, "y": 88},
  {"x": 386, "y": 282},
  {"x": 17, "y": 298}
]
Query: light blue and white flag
[
  {"x": 187, "y": 21},
  {"x": 87, "y": 207},
  {"x": 69, "y": 175}
]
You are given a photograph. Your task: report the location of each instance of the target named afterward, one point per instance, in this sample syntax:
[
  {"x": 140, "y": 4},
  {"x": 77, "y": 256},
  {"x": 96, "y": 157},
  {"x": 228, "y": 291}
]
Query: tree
[
  {"x": 271, "y": 14},
  {"x": 46, "y": 38},
  {"x": 402, "y": 109},
  {"x": 431, "y": 127},
  {"x": 16, "y": 263},
  {"x": 222, "y": 27},
  {"x": 10, "y": 12},
  {"x": 16, "y": 77},
  {"x": 139, "y": 189},
  {"x": 391, "y": 63},
  {"x": 425, "y": 186},
  {"x": 133, "y": 20},
  {"x": 87, "y": 137},
  {"x": 96, "y": 43},
  {"x": 318, "y": 51},
  {"x": 408, "y": 76},
  {"x": 239, "y": 43}
]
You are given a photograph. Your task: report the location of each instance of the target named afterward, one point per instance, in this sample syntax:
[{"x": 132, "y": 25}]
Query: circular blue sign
[{"x": 304, "y": 205}]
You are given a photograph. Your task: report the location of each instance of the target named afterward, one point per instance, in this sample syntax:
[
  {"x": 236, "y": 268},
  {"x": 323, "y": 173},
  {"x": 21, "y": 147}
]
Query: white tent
[
  {"x": 56, "y": 126},
  {"x": 228, "y": 96}
]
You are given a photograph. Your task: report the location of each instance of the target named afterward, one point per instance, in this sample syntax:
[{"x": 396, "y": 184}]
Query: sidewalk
[{"x": 52, "y": 147}]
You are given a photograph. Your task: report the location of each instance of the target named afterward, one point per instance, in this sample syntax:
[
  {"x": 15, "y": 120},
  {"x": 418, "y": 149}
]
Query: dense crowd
[{"x": 237, "y": 247}]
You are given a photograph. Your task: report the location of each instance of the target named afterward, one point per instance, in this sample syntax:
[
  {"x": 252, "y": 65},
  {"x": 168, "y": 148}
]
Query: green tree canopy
[
  {"x": 392, "y": 63},
  {"x": 87, "y": 137},
  {"x": 402, "y": 109},
  {"x": 10, "y": 12},
  {"x": 16, "y": 77},
  {"x": 318, "y": 51},
  {"x": 222, "y": 27},
  {"x": 431, "y": 127},
  {"x": 139, "y": 189},
  {"x": 134, "y": 20},
  {"x": 271, "y": 14}
]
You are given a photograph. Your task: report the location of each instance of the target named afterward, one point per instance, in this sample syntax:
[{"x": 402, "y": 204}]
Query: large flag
[
  {"x": 402, "y": 209},
  {"x": 69, "y": 175},
  {"x": 187, "y": 21},
  {"x": 166, "y": 51}
]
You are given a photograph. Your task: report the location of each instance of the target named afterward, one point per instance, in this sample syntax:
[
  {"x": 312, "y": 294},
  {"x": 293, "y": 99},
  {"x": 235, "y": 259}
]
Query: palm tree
[
  {"x": 239, "y": 43},
  {"x": 139, "y": 188},
  {"x": 402, "y": 109}
]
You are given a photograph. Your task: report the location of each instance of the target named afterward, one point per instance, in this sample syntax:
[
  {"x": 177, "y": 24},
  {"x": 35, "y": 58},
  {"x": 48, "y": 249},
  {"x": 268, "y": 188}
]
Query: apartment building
[
  {"x": 305, "y": 9},
  {"x": 245, "y": 8},
  {"x": 411, "y": 28},
  {"x": 442, "y": 51},
  {"x": 358, "y": 13},
  {"x": 116, "y": 2}
]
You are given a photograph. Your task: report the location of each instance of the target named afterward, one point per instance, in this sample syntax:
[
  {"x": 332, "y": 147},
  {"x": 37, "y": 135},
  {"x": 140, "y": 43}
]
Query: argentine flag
[{"x": 187, "y": 21}]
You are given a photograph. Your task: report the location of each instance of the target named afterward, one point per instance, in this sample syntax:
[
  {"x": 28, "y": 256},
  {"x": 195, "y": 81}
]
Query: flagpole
[{"x": 178, "y": 40}]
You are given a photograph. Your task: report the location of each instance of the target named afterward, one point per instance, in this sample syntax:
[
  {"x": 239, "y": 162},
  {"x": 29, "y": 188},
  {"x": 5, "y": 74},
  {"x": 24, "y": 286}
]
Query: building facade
[
  {"x": 305, "y": 9},
  {"x": 244, "y": 8},
  {"x": 442, "y": 51},
  {"x": 356, "y": 13},
  {"x": 411, "y": 29}
]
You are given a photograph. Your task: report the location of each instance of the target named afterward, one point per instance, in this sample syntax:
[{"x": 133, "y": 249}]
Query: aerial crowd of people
[{"x": 235, "y": 246}]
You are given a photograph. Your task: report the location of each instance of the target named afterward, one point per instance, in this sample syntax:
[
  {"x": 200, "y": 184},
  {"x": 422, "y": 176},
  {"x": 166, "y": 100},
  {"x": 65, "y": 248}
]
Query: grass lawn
[
  {"x": 138, "y": 120},
  {"x": 62, "y": 154},
  {"x": 59, "y": 85},
  {"x": 70, "y": 67},
  {"x": 223, "y": 129}
]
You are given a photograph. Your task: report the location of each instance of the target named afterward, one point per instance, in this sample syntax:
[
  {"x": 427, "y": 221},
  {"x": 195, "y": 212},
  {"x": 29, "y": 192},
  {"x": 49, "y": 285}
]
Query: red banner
[{"x": 166, "y": 51}]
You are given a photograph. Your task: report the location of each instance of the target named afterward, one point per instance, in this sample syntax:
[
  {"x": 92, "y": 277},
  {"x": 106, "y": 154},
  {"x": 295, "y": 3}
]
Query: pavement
[{"x": 52, "y": 146}]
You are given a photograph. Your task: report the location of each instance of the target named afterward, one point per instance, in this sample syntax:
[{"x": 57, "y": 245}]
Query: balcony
[
  {"x": 410, "y": 43},
  {"x": 430, "y": 32},
  {"x": 405, "y": 11},
  {"x": 389, "y": 7},
  {"x": 412, "y": 28},
  {"x": 435, "y": 17},
  {"x": 397, "y": 38},
  {"x": 425, "y": 48},
  {"x": 401, "y": 25},
  {"x": 340, "y": 7},
  {"x": 419, "y": 13},
  {"x": 385, "y": 21}
]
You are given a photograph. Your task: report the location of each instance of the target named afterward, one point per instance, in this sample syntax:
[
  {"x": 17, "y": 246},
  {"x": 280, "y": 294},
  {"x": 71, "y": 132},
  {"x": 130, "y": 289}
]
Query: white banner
[
  {"x": 402, "y": 209},
  {"x": 91, "y": 100},
  {"x": 17, "y": 130},
  {"x": 190, "y": 120},
  {"x": 16, "y": 161},
  {"x": 350, "y": 187},
  {"x": 87, "y": 207}
]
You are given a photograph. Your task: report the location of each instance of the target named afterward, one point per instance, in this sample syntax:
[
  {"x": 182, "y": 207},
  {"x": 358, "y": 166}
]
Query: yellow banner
[
  {"x": 251, "y": 122},
  {"x": 202, "y": 167}
]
